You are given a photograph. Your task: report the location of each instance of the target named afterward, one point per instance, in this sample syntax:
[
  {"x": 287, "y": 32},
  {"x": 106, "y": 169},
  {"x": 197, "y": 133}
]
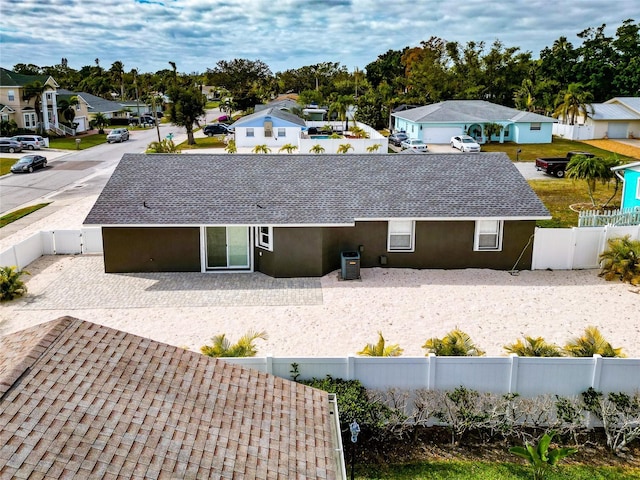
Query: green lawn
[
  {"x": 86, "y": 141},
  {"x": 206, "y": 142},
  {"x": 558, "y": 148},
  {"x": 23, "y": 212},
  {"x": 5, "y": 165},
  {"x": 458, "y": 470}
]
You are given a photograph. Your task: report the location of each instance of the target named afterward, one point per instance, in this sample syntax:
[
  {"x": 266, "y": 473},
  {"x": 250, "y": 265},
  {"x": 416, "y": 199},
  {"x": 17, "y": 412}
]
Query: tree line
[{"x": 599, "y": 68}]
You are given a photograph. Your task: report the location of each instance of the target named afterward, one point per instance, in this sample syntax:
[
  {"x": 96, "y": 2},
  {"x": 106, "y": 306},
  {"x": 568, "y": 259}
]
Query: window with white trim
[
  {"x": 638, "y": 189},
  {"x": 401, "y": 235},
  {"x": 264, "y": 238},
  {"x": 282, "y": 132},
  {"x": 11, "y": 94},
  {"x": 488, "y": 235},
  {"x": 250, "y": 132},
  {"x": 535, "y": 126}
]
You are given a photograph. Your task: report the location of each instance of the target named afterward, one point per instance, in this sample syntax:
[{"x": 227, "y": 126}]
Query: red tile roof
[{"x": 80, "y": 400}]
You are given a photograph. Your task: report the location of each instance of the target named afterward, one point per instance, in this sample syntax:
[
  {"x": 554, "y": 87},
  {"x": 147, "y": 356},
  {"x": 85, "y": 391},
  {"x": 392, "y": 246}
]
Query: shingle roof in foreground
[
  {"x": 79, "y": 400},
  {"x": 311, "y": 189}
]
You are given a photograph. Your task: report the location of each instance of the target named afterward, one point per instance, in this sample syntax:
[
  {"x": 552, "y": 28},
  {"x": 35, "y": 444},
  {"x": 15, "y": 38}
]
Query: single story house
[
  {"x": 438, "y": 122},
  {"x": 88, "y": 105},
  {"x": 615, "y": 118},
  {"x": 271, "y": 126},
  {"x": 81, "y": 400},
  {"x": 293, "y": 215},
  {"x": 630, "y": 176}
]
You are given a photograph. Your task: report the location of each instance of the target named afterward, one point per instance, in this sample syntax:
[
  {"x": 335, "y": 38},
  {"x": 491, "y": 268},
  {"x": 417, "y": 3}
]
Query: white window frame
[
  {"x": 11, "y": 95},
  {"x": 264, "y": 239},
  {"x": 282, "y": 132},
  {"x": 638, "y": 189},
  {"x": 401, "y": 228},
  {"x": 29, "y": 118},
  {"x": 250, "y": 132},
  {"x": 486, "y": 228},
  {"x": 535, "y": 126}
]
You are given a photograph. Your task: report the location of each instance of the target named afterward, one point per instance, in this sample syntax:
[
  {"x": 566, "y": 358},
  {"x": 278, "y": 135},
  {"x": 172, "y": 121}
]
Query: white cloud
[{"x": 285, "y": 34}]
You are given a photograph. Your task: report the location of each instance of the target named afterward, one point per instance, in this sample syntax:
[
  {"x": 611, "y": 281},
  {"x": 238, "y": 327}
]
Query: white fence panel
[
  {"x": 587, "y": 247},
  {"x": 613, "y": 373},
  {"x": 405, "y": 372},
  {"x": 561, "y": 376},
  {"x": 67, "y": 242},
  {"x": 552, "y": 248},
  {"x": 337, "y": 367},
  {"x": 615, "y": 232},
  {"x": 92, "y": 240},
  {"x": 485, "y": 374},
  {"x": 23, "y": 253}
]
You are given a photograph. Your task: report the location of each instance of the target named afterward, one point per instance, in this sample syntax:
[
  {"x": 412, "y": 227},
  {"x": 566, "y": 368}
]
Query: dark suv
[{"x": 215, "y": 129}]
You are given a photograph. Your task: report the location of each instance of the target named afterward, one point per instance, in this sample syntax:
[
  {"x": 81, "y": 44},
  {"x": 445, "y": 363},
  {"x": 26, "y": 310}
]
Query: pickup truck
[{"x": 557, "y": 165}]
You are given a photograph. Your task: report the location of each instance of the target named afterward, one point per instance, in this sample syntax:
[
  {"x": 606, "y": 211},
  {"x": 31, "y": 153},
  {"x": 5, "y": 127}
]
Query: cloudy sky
[{"x": 196, "y": 34}]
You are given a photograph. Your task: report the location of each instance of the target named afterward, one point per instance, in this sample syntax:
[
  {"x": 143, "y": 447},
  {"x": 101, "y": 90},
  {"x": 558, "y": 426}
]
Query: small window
[
  {"x": 488, "y": 236},
  {"x": 282, "y": 132},
  {"x": 268, "y": 128},
  {"x": 12, "y": 95},
  {"x": 401, "y": 236},
  {"x": 264, "y": 238},
  {"x": 535, "y": 126},
  {"x": 638, "y": 189},
  {"x": 250, "y": 132}
]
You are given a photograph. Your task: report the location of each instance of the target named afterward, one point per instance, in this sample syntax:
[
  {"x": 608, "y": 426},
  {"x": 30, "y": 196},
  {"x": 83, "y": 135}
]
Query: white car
[
  {"x": 414, "y": 144},
  {"x": 465, "y": 143}
]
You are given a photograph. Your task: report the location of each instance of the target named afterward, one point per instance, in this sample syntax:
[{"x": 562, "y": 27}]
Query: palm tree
[
  {"x": 231, "y": 147},
  {"x": 261, "y": 149},
  {"x": 590, "y": 344},
  {"x": 380, "y": 350},
  {"x": 100, "y": 121},
  {"x": 373, "y": 148},
  {"x": 340, "y": 106},
  {"x": 163, "y": 146},
  {"x": 358, "y": 132},
  {"x": 621, "y": 260},
  {"x": 289, "y": 148},
  {"x": 344, "y": 148},
  {"x": 222, "y": 347},
  {"x": 454, "y": 343},
  {"x": 66, "y": 108},
  {"x": 589, "y": 169},
  {"x": 34, "y": 91},
  {"x": 117, "y": 75},
  {"x": 533, "y": 347},
  {"x": 492, "y": 129},
  {"x": 317, "y": 148},
  {"x": 573, "y": 102}
]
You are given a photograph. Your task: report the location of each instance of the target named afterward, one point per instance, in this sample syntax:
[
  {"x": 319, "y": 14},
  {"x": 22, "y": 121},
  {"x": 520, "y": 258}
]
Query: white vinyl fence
[
  {"x": 574, "y": 248},
  {"x": 54, "y": 242},
  {"x": 528, "y": 376}
]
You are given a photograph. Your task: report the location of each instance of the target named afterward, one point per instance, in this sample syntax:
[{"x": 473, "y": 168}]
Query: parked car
[
  {"x": 10, "y": 145},
  {"x": 397, "y": 138},
  {"x": 556, "y": 166},
  {"x": 118, "y": 135},
  {"x": 465, "y": 143},
  {"x": 31, "y": 142},
  {"x": 29, "y": 163},
  {"x": 216, "y": 129},
  {"x": 414, "y": 144},
  {"x": 143, "y": 120}
]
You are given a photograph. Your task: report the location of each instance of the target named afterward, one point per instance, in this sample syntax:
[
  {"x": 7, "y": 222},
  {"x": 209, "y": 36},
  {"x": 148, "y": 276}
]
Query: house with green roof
[{"x": 438, "y": 122}]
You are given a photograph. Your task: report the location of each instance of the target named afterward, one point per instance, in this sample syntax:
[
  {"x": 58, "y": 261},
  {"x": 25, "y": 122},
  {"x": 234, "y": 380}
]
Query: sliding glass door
[{"x": 227, "y": 247}]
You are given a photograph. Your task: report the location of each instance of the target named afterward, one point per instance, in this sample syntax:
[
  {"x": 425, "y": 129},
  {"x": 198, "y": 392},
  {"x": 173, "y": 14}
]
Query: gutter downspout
[{"x": 334, "y": 420}]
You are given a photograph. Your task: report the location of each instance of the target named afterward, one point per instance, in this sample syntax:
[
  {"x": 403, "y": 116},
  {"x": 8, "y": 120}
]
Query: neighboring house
[
  {"x": 438, "y": 122},
  {"x": 271, "y": 126},
  {"x": 293, "y": 215},
  {"x": 14, "y": 107},
  {"x": 615, "y": 118},
  {"x": 88, "y": 105},
  {"x": 80, "y": 400},
  {"x": 630, "y": 175},
  {"x": 286, "y": 104}
]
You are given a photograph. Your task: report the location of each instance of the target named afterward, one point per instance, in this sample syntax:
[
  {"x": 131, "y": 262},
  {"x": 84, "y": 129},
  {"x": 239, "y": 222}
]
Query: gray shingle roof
[
  {"x": 270, "y": 111},
  {"x": 95, "y": 104},
  {"x": 80, "y": 400},
  {"x": 251, "y": 189},
  {"x": 468, "y": 111}
]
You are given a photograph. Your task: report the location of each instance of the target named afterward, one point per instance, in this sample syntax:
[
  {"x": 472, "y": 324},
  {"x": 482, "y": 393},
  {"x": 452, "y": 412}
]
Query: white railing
[
  {"x": 598, "y": 218},
  {"x": 527, "y": 376}
]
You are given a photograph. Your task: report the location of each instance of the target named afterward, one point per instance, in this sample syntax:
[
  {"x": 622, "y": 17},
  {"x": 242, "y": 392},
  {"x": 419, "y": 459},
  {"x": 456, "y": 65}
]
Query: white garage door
[
  {"x": 617, "y": 130},
  {"x": 440, "y": 134}
]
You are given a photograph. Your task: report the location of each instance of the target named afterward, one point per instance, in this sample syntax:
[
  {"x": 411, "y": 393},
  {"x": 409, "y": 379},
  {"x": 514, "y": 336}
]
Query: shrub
[
  {"x": 621, "y": 260},
  {"x": 380, "y": 349},
  {"x": 11, "y": 285},
  {"x": 533, "y": 347},
  {"x": 590, "y": 344},
  {"x": 222, "y": 347},
  {"x": 163, "y": 146},
  {"x": 454, "y": 343},
  {"x": 541, "y": 457}
]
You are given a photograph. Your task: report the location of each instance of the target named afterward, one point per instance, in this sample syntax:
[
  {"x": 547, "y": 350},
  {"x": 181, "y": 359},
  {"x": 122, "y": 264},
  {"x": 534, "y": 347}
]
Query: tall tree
[
  {"x": 596, "y": 68},
  {"x": 117, "y": 75},
  {"x": 34, "y": 91},
  {"x": 187, "y": 103},
  {"x": 627, "y": 45},
  {"x": 243, "y": 78},
  {"x": 574, "y": 102}
]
